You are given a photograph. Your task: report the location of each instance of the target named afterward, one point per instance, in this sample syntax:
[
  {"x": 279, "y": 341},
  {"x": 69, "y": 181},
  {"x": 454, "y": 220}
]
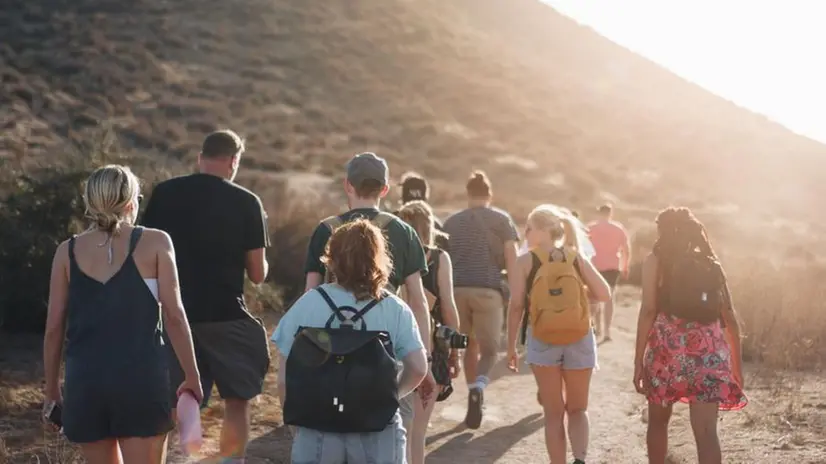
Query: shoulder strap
[
  {"x": 382, "y": 219},
  {"x": 327, "y": 298},
  {"x": 72, "y": 250},
  {"x": 333, "y": 223},
  {"x": 360, "y": 313},
  {"x": 536, "y": 263},
  {"x": 337, "y": 312},
  {"x": 134, "y": 237}
]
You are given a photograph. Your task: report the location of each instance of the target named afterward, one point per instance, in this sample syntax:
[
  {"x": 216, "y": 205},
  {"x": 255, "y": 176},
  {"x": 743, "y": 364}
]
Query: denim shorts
[
  {"x": 385, "y": 447},
  {"x": 578, "y": 355}
]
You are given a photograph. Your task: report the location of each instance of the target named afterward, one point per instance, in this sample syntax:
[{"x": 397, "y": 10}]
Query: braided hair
[{"x": 679, "y": 233}]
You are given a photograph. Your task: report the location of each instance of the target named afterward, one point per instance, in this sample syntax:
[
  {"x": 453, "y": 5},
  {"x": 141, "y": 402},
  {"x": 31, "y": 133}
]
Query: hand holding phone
[{"x": 53, "y": 414}]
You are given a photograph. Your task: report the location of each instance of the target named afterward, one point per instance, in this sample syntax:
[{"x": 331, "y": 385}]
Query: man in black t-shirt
[{"x": 219, "y": 231}]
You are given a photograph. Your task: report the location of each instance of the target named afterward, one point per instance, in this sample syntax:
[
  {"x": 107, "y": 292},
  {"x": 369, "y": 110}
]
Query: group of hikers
[{"x": 396, "y": 306}]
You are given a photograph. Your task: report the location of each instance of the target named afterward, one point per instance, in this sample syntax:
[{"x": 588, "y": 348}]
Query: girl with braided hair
[{"x": 683, "y": 359}]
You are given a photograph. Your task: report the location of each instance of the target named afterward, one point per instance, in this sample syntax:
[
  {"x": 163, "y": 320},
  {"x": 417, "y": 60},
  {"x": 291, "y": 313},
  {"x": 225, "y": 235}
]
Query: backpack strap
[
  {"x": 337, "y": 311},
  {"x": 433, "y": 279},
  {"x": 382, "y": 219},
  {"x": 536, "y": 263},
  {"x": 333, "y": 223}
]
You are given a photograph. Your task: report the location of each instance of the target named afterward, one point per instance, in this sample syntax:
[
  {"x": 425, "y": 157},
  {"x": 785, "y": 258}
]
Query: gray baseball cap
[{"x": 367, "y": 166}]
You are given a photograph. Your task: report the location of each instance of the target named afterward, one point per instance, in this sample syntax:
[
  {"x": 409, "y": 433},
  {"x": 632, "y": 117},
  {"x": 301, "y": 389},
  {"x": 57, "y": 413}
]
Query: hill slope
[{"x": 552, "y": 110}]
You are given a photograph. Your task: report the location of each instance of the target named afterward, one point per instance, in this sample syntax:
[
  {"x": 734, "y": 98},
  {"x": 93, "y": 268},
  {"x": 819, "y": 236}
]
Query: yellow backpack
[{"x": 558, "y": 310}]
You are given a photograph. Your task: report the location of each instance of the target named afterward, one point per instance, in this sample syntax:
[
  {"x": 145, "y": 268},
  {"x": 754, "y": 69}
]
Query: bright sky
[{"x": 768, "y": 56}]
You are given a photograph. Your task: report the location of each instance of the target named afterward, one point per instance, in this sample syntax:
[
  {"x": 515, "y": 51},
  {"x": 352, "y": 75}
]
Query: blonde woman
[
  {"x": 105, "y": 287},
  {"x": 438, "y": 284},
  {"x": 562, "y": 372}
]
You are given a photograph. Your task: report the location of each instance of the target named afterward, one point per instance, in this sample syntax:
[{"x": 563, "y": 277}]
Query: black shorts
[
  {"x": 611, "y": 276},
  {"x": 132, "y": 403},
  {"x": 231, "y": 355}
]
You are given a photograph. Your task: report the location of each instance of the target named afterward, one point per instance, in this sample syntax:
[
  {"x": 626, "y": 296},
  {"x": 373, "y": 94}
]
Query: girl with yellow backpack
[{"x": 551, "y": 290}]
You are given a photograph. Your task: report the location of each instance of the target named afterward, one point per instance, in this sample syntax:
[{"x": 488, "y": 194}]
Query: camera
[{"x": 452, "y": 338}]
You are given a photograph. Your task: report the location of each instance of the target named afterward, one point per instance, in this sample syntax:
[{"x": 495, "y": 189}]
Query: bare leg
[
  {"x": 577, "y": 387},
  {"x": 549, "y": 381},
  {"x": 101, "y": 452},
  {"x": 657, "y": 435},
  {"x": 416, "y": 436},
  {"x": 471, "y": 361},
  {"x": 235, "y": 429},
  {"x": 704, "y": 425},
  {"x": 150, "y": 450}
]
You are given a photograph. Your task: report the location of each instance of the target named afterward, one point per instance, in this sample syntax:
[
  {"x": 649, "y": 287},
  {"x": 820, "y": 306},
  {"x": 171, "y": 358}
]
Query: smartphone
[{"x": 54, "y": 414}]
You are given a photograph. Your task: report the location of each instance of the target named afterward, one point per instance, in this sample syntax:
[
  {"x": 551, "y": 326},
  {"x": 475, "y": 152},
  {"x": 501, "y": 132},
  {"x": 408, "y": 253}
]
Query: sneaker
[
  {"x": 475, "y": 401},
  {"x": 579, "y": 461}
]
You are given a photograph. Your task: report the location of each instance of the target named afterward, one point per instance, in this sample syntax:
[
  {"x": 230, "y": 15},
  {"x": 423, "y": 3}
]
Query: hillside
[{"x": 549, "y": 108}]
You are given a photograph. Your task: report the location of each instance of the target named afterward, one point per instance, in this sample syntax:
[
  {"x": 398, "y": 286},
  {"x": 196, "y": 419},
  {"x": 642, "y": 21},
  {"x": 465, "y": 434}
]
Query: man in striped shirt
[{"x": 483, "y": 242}]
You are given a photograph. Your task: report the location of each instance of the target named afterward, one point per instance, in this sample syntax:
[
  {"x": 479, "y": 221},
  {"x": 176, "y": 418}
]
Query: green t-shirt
[{"x": 404, "y": 246}]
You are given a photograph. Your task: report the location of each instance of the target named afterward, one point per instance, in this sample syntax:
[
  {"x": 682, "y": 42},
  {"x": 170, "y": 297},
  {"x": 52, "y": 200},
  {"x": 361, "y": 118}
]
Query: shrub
[
  {"x": 39, "y": 209},
  {"x": 38, "y": 214},
  {"x": 781, "y": 310}
]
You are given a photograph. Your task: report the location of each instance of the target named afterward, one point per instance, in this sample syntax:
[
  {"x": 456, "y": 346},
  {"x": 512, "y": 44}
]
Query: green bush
[{"x": 37, "y": 214}]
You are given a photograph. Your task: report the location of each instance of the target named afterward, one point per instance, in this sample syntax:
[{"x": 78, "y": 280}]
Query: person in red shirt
[{"x": 612, "y": 259}]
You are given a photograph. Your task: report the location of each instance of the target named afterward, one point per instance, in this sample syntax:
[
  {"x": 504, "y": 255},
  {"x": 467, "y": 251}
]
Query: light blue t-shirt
[{"x": 391, "y": 314}]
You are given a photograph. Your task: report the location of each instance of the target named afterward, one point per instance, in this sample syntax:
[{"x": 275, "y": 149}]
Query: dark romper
[{"x": 116, "y": 382}]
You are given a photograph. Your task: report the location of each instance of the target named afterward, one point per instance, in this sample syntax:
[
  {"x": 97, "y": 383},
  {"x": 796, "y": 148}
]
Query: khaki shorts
[{"x": 480, "y": 315}]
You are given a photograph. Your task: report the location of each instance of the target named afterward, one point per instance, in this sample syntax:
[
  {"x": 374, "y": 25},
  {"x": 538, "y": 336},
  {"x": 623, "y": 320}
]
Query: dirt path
[
  {"x": 512, "y": 431},
  {"x": 783, "y": 424}
]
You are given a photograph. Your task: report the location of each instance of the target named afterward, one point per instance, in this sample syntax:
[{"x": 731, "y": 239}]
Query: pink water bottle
[{"x": 189, "y": 423}]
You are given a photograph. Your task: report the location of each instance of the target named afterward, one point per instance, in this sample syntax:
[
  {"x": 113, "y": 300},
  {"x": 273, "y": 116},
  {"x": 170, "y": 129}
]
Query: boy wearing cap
[
  {"x": 219, "y": 231},
  {"x": 366, "y": 183}
]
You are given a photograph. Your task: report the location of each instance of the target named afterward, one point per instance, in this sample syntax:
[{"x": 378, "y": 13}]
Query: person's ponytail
[{"x": 571, "y": 238}]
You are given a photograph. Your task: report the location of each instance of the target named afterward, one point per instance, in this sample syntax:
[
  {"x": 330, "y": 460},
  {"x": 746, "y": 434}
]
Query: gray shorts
[
  {"x": 577, "y": 355},
  {"x": 385, "y": 447},
  {"x": 232, "y": 355}
]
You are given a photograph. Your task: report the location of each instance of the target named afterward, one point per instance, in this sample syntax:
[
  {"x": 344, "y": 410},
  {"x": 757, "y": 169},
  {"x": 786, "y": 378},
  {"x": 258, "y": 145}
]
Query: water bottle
[{"x": 189, "y": 423}]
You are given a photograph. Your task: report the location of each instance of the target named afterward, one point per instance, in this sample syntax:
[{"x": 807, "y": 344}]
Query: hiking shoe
[
  {"x": 579, "y": 461},
  {"x": 475, "y": 401}
]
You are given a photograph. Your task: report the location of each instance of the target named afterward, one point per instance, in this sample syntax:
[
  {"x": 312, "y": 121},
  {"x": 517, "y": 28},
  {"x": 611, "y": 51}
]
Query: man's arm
[
  {"x": 256, "y": 242},
  {"x": 625, "y": 253},
  {"x": 314, "y": 269}
]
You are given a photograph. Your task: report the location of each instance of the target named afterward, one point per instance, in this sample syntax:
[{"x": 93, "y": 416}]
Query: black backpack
[
  {"x": 693, "y": 288},
  {"x": 341, "y": 380}
]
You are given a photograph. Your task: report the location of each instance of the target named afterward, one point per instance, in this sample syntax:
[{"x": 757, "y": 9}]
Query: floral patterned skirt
[{"x": 690, "y": 362}]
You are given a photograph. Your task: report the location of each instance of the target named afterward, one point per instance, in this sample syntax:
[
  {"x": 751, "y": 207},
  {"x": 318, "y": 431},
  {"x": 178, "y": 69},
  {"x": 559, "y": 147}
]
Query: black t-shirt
[{"x": 213, "y": 223}]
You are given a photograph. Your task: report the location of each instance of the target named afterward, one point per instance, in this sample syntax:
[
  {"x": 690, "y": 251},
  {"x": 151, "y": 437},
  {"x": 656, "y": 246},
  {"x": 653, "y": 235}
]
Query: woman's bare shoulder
[{"x": 157, "y": 239}]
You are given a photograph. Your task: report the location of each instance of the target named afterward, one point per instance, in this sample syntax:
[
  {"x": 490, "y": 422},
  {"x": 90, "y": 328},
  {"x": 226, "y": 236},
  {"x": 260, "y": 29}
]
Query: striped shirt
[{"x": 474, "y": 262}]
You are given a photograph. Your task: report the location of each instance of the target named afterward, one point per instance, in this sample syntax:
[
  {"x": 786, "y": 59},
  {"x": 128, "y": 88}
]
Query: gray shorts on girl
[{"x": 578, "y": 355}]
